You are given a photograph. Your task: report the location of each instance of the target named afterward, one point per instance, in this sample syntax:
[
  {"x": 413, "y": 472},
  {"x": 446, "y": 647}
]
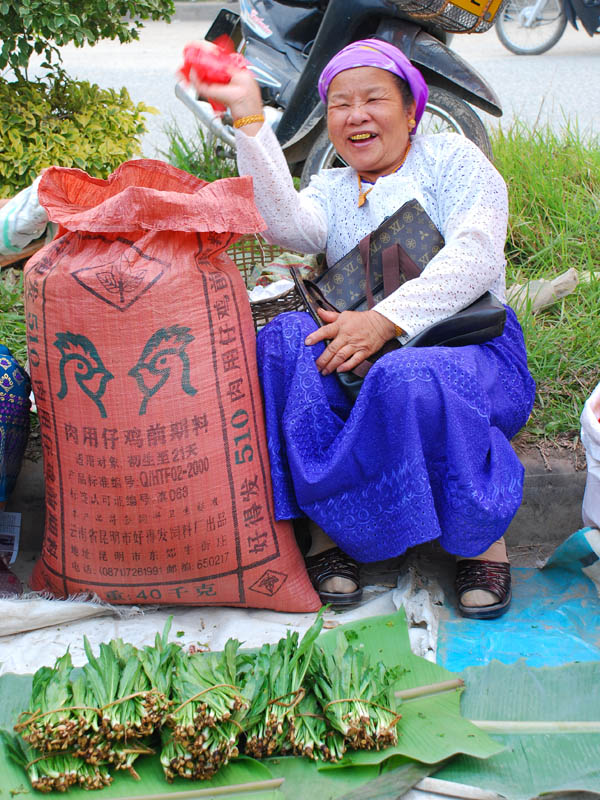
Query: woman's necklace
[{"x": 362, "y": 194}]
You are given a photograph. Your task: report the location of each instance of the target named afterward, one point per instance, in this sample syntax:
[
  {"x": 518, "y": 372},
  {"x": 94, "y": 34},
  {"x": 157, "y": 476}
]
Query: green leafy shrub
[
  {"x": 41, "y": 26},
  {"x": 66, "y": 123}
]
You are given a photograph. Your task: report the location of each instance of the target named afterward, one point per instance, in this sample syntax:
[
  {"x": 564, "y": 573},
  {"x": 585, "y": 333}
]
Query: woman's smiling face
[{"x": 367, "y": 120}]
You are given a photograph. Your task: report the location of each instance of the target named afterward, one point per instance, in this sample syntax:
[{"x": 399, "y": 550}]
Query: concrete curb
[{"x": 551, "y": 507}]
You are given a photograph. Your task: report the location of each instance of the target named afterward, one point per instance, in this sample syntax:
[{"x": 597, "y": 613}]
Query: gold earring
[{"x": 412, "y": 124}]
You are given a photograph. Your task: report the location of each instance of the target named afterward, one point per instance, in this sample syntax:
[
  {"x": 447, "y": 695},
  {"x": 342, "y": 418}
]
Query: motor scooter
[
  {"x": 529, "y": 28},
  {"x": 288, "y": 42}
]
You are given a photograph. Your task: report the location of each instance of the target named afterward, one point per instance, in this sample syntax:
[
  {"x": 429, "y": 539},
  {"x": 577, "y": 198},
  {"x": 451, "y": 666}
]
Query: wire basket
[
  {"x": 458, "y": 16},
  {"x": 251, "y": 252}
]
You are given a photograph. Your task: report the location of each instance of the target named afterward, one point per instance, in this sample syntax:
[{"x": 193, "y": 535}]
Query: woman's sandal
[
  {"x": 491, "y": 576},
  {"x": 334, "y": 563}
]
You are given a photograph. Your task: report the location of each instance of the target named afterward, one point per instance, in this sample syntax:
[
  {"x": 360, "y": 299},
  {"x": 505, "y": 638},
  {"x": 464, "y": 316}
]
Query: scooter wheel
[
  {"x": 525, "y": 38},
  {"x": 444, "y": 112}
]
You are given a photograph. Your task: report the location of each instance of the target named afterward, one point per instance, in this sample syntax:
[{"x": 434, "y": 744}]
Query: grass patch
[
  {"x": 562, "y": 346},
  {"x": 12, "y": 315},
  {"x": 197, "y": 155},
  {"x": 554, "y": 194}
]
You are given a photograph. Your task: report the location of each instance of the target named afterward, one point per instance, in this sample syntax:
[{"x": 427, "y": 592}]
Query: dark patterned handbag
[{"x": 396, "y": 252}]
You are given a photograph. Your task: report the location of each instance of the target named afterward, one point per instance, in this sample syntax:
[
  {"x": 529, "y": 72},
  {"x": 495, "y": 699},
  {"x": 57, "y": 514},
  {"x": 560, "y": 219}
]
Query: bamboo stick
[
  {"x": 537, "y": 726},
  {"x": 235, "y": 788},
  {"x": 451, "y": 789},
  {"x": 432, "y": 688}
]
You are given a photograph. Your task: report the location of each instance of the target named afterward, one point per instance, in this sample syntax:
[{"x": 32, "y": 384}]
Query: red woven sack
[{"x": 142, "y": 356}]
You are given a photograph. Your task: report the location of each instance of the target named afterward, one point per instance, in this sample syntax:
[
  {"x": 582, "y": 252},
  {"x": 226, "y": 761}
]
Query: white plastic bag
[
  {"x": 590, "y": 436},
  {"x": 22, "y": 220}
]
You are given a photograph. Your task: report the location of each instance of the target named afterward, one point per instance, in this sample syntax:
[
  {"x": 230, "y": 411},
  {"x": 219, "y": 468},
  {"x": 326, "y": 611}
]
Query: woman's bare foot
[
  {"x": 320, "y": 542},
  {"x": 480, "y": 597}
]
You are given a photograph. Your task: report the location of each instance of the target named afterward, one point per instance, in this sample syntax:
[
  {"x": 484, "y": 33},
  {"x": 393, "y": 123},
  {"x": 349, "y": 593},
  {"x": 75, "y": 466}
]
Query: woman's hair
[
  {"x": 383, "y": 55},
  {"x": 407, "y": 95}
]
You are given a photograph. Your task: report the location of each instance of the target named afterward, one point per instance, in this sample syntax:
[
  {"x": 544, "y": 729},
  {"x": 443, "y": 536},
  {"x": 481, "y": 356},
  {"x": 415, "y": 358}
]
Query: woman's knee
[{"x": 284, "y": 334}]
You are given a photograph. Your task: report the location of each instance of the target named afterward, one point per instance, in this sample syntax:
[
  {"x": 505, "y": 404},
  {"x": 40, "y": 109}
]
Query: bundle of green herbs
[
  {"x": 355, "y": 696},
  {"x": 312, "y": 737},
  {"x": 282, "y": 669},
  {"x": 54, "y": 771},
  {"x": 117, "y": 684},
  {"x": 53, "y": 720},
  {"x": 206, "y": 718},
  {"x": 130, "y": 690},
  {"x": 201, "y": 709},
  {"x": 82, "y": 722}
]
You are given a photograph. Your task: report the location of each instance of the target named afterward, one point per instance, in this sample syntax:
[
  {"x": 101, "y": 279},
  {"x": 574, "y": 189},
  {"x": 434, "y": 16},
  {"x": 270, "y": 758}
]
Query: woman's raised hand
[
  {"x": 241, "y": 94},
  {"x": 354, "y": 335}
]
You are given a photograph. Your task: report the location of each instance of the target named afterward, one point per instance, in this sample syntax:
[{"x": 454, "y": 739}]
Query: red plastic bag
[
  {"x": 211, "y": 65},
  {"x": 142, "y": 355}
]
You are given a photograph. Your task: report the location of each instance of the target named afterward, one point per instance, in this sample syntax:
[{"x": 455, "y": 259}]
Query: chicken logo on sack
[
  {"x": 90, "y": 373},
  {"x": 163, "y": 355}
]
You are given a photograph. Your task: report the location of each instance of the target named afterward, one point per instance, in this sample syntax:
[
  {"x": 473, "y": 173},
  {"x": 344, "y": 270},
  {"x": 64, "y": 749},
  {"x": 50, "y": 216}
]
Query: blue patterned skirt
[
  {"x": 15, "y": 389},
  {"x": 423, "y": 454}
]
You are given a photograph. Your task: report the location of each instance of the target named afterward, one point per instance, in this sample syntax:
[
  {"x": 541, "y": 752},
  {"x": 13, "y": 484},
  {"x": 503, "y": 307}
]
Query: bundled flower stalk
[{"x": 355, "y": 696}]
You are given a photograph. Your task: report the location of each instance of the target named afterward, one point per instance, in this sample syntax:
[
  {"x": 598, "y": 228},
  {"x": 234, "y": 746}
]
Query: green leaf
[
  {"x": 53, "y": 23},
  {"x": 423, "y": 719},
  {"x": 399, "y": 778},
  {"x": 533, "y": 764},
  {"x": 301, "y": 772}
]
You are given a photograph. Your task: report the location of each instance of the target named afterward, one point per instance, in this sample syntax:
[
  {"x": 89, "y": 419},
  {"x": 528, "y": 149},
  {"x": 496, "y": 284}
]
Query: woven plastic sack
[
  {"x": 590, "y": 436},
  {"x": 142, "y": 355}
]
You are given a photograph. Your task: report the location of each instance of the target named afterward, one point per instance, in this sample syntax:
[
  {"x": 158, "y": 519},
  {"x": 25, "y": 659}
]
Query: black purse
[{"x": 396, "y": 252}]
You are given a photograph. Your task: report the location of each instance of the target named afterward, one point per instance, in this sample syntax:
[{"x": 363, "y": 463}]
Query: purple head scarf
[{"x": 376, "y": 53}]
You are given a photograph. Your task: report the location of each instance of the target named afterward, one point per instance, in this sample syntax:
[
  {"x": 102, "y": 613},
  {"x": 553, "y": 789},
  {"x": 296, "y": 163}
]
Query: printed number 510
[{"x": 245, "y": 453}]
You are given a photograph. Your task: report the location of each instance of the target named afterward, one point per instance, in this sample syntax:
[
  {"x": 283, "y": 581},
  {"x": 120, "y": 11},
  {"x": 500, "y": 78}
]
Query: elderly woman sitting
[{"x": 424, "y": 453}]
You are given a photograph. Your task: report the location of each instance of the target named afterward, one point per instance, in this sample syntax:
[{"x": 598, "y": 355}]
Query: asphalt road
[{"x": 559, "y": 87}]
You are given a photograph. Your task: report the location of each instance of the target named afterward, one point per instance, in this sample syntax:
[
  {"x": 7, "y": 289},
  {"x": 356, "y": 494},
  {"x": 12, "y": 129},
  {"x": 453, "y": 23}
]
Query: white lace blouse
[{"x": 459, "y": 188}]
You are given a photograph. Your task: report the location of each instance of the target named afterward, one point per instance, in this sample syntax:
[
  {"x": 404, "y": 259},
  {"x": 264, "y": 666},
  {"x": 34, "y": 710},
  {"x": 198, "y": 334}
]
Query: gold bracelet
[
  {"x": 398, "y": 330},
  {"x": 239, "y": 123}
]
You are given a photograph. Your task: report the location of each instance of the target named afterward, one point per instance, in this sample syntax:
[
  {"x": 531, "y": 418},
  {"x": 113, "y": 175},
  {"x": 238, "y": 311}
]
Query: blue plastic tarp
[{"x": 554, "y": 617}]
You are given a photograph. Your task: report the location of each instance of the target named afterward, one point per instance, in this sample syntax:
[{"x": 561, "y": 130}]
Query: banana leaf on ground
[{"x": 543, "y": 757}]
